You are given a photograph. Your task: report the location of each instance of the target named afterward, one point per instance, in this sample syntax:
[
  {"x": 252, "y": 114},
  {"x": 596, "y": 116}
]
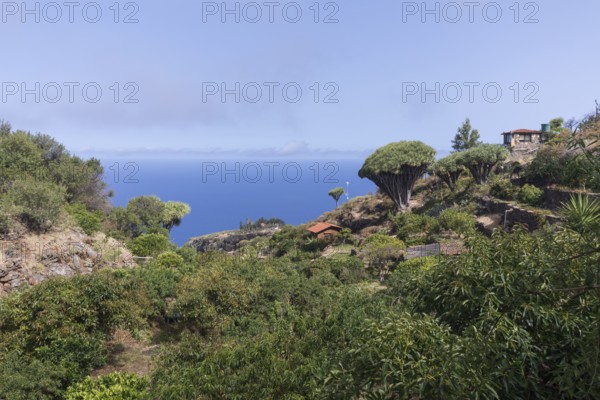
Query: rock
[
  {"x": 229, "y": 240},
  {"x": 37, "y": 279},
  {"x": 76, "y": 262},
  {"x": 90, "y": 253},
  {"x": 61, "y": 270},
  {"x": 9, "y": 277}
]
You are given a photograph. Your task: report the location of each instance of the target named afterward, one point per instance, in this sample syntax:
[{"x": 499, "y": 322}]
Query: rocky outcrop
[
  {"x": 228, "y": 241},
  {"x": 361, "y": 214},
  {"x": 32, "y": 259}
]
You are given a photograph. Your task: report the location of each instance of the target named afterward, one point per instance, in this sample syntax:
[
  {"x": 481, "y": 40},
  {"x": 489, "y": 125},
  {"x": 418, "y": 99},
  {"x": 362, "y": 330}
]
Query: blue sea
[{"x": 223, "y": 193}]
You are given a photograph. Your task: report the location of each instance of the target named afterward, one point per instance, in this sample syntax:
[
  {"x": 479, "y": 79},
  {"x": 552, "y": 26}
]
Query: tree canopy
[
  {"x": 466, "y": 137},
  {"x": 336, "y": 194},
  {"x": 481, "y": 160},
  {"x": 396, "y": 167},
  {"x": 448, "y": 169}
]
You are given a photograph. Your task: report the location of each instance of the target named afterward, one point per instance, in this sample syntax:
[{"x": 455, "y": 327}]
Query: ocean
[{"x": 223, "y": 193}]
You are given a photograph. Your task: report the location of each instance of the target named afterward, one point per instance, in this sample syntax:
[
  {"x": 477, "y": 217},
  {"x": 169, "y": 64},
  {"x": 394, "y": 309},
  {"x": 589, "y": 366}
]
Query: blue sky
[{"x": 367, "y": 62}]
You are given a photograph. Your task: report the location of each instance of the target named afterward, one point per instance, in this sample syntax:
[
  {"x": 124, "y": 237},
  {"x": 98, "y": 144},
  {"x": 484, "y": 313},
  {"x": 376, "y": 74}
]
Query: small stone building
[{"x": 526, "y": 139}]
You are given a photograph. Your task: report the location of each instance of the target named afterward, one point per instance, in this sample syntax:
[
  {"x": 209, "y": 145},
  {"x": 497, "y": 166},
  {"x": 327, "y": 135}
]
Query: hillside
[{"x": 474, "y": 281}]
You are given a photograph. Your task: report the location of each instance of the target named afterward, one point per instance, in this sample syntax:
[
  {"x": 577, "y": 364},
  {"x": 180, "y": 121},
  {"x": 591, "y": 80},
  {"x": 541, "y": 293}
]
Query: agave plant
[{"x": 582, "y": 214}]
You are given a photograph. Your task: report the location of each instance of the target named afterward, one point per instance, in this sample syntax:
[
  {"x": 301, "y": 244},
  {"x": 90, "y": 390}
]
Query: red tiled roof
[{"x": 323, "y": 226}]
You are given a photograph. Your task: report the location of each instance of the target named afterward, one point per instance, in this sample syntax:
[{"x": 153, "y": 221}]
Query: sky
[{"x": 306, "y": 79}]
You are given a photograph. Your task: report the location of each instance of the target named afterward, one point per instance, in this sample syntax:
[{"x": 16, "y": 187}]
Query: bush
[
  {"x": 69, "y": 321},
  {"x": 457, "y": 221},
  {"x": 7, "y": 212},
  {"x": 89, "y": 221},
  {"x": 382, "y": 250},
  {"x": 115, "y": 386},
  {"x": 25, "y": 378},
  {"x": 347, "y": 269},
  {"x": 415, "y": 229},
  {"x": 503, "y": 189},
  {"x": 531, "y": 195},
  {"x": 170, "y": 259},
  {"x": 38, "y": 205},
  {"x": 150, "y": 245},
  {"x": 548, "y": 165}
]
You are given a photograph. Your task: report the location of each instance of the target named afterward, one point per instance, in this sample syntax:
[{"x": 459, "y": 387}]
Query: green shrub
[
  {"x": 115, "y": 386},
  {"x": 381, "y": 250},
  {"x": 25, "y": 378},
  {"x": 415, "y": 229},
  {"x": 89, "y": 221},
  {"x": 7, "y": 211},
  {"x": 38, "y": 205},
  {"x": 150, "y": 245},
  {"x": 347, "y": 269},
  {"x": 457, "y": 221},
  {"x": 531, "y": 195},
  {"x": 409, "y": 274},
  {"x": 170, "y": 259},
  {"x": 503, "y": 189},
  {"x": 68, "y": 321}
]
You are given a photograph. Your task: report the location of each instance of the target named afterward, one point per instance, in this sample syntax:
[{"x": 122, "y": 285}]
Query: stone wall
[
  {"x": 554, "y": 198},
  {"x": 517, "y": 215}
]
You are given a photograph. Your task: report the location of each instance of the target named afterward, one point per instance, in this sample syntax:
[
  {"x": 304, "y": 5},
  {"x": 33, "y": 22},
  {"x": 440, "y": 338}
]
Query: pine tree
[{"x": 466, "y": 137}]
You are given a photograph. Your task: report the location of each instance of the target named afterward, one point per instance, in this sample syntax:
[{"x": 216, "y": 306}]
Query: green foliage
[
  {"x": 291, "y": 238},
  {"x": 173, "y": 213},
  {"x": 150, "y": 245},
  {"x": 38, "y": 205},
  {"x": 26, "y": 378},
  {"x": 382, "y": 250},
  {"x": 503, "y": 189},
  {"x": 396, "y": 167},
  {"x": 408, "y": 274},
  {"x": 458, "y": 221},
  {"x": 531, "y": 195},
  {"x": 582, "y": 214},
  {"x": 19, "y": 157},
  {"x": 548, "y": 164},
  {"x": 170, "y": 259},
  {"x": 415, "y": 229},
  {"x": 336, "y": 194},
  {"x": 345, "y": 236},
  {"x": 147, "y": 215},
  {"x": 481, "y": 160},
  {"x": 466, "y": 137},
  {"x": 528, "y": 321},
  {"x": 38, "y": 176},
  {"x": 449, "y": 170},
  {"x": 67, "y": 322},
  {"x": 115, "y": 386},
  {"x": 5, "y": 128},
  {"x": 143, "y": 214},
  {"x": 556, "y": 125},
  {"x": 554, "y": 163},
  {"x": 404, "y": 357},
  {"x": 89, "y": 221}
]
